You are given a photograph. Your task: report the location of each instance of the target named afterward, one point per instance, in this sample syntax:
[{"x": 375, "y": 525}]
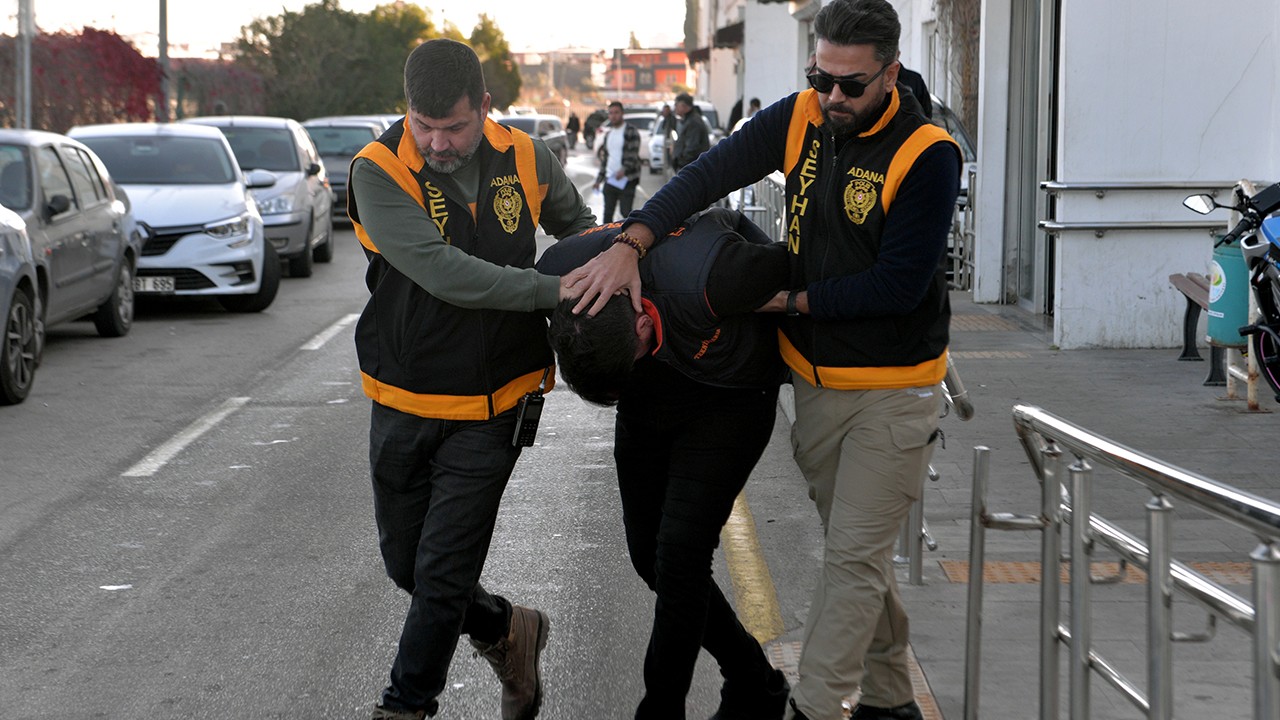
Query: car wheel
[
  {"x": 324, "y": 252},
  {"x": 262, "y": 299},
  {"x": 18, "y": 350},
  {"x": 115, "y": 316},
  {"x": 300, "y": 264}
]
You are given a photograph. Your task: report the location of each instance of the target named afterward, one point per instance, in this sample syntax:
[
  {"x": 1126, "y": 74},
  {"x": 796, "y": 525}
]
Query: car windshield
[
  {"x": 639, "y": 122},
  {"x": 152, "y": 160},
  {"x": 15, "y": 177},
  {"x": 339, "y": 140},
  {"x": 263, "y": 148}
]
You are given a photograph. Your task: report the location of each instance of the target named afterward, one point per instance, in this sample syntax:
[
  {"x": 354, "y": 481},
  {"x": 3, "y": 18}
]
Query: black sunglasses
[{"x": 824, "y": 82}]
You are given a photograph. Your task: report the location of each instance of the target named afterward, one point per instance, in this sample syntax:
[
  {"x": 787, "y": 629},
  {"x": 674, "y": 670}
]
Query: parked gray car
[
  {"x": 19, "y": 347},
  {"x": 338, "y": 139},
  {"x": 85, "y": 243},
  {"x": 297, "y": 209}
]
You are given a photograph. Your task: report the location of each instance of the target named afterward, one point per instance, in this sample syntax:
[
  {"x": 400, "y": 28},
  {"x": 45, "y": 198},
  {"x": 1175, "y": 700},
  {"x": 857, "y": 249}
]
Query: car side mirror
[
  {"x": 1203, "y": 204},
  {"x": 256, "y": 179},
  {"x": 314, "y": 169},
  {"x": 57, "y": 205}
]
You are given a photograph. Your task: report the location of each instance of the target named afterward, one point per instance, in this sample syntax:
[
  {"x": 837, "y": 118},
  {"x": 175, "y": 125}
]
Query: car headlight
[
  {"x": 236, "y": 230},
  {"x": 276, "y": 205}
]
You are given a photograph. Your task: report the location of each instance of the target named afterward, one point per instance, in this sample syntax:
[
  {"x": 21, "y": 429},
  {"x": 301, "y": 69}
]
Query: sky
[{"x": 196, "y": 26}]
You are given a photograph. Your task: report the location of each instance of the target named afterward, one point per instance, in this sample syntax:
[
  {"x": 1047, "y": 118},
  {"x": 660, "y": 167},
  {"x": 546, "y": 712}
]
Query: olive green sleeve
[{"x": 412, "y": 244}]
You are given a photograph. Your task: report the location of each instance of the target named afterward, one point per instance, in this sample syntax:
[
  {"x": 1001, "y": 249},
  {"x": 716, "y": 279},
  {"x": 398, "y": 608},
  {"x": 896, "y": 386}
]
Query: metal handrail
[
  {"x": 1054, "y": 227},
  {"x": 1055, "y": 187},
  {"x": 1256, "y": 514},
  {"x": 1046, "y": 438}
]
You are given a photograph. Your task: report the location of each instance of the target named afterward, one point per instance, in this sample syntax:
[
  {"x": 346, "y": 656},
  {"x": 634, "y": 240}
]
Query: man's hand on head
[{"x": 606, "y": 274}]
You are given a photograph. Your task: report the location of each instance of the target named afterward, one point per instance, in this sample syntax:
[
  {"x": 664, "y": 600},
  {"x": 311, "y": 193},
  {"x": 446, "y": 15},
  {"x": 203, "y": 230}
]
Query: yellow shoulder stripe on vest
[
  {"x": 925, "y": 137},
  {"x": 503, "y": 138},
  {"x": 807, "y": 112},
  {"x": 391, "y": 164}
]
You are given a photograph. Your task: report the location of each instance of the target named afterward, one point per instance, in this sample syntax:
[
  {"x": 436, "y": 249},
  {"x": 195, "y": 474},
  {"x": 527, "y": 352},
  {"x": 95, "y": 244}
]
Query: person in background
[
  {"x": 447, "y": 288},
  {"x": 692, "y": 136},
  {"x": 619, "y": 154},
  {"x": 753, "y": 107},
  {"x": 695, "y": 412},
  {"x": 870, "y": 190},
  {"x": 736, "y": 113},
  {"x": 915, "y": 83},
  {"x": 571, "y": 128}
]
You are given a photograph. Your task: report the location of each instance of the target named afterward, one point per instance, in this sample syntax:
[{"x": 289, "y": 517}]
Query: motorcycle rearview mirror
[{"x": 1203, "y": 204}]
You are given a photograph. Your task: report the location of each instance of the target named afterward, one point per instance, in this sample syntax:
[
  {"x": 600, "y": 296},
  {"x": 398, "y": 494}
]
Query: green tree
[
  {"x": 501, "y": 75},
  {"x": 325, "y": 60}
]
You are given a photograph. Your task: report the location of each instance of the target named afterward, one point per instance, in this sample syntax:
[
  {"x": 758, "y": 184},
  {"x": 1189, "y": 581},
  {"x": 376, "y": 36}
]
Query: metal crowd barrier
[{"x": 1046, "y": 438}]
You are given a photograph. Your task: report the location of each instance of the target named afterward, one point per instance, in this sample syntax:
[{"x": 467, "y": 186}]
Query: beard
[
  {"x": 850, "y": 120},
  {"x": 449, "y": 161}
]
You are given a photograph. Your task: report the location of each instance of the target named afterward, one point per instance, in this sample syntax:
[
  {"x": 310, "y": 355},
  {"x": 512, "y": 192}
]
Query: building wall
[
  {"x": 774, "y": 49},
  {"x": 1188, "y": 108}
]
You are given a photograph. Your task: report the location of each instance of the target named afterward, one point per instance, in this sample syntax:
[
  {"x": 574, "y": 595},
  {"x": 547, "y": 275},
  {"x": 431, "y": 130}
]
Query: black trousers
[
  {"x": 621, "y": 198},
  {"x": 684, "y": 451},
  {"x": 437, "y": 485}
]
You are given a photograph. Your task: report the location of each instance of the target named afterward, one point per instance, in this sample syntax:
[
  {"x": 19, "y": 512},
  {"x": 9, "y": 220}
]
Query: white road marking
[
  {"x": 163, "y": 454},
  {"x": 318, "y": 341}
]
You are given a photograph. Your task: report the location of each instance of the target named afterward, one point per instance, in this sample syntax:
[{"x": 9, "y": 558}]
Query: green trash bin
[{"x": 1228, "y": 297}]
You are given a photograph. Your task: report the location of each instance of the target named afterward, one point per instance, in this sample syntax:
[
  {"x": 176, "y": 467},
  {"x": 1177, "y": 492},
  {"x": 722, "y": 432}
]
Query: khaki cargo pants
[{"x": 864, "y": 454}]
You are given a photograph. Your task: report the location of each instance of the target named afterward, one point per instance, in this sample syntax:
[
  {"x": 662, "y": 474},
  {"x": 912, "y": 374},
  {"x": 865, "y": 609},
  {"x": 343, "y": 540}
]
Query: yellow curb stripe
[{"x": 754, "y": 594}]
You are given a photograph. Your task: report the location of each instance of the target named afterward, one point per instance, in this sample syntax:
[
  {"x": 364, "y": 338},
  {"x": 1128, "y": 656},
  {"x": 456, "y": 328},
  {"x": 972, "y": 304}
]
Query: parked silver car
[
  {"x": 19, "y": 346},
  {"x": 338, "y": 139},
  {"x": 547, "y": 128},
  {"x": 84, "y": 240},
  {"x": 297, "y": 209},
  {"x": 206, "y": 235}
]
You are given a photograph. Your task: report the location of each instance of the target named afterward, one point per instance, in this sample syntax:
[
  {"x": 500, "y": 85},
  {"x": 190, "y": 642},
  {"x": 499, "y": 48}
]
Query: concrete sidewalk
[{"x": 1144, "y": 399}]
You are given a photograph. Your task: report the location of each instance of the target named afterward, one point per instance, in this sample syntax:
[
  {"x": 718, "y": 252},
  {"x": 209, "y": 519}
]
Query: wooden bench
[{"x": 1196, "y": 289}]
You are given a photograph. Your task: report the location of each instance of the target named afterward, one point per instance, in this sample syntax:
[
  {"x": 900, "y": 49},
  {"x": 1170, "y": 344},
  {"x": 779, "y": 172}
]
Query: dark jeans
[
  {"x": 622, "y": 199},
  {"x": 684, "y": 451},
  {"x": 436, "y": 489}
]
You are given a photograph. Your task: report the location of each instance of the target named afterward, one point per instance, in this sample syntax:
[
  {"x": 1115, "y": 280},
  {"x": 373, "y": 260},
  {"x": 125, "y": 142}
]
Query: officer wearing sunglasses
[{"x": 871, "y": 186}]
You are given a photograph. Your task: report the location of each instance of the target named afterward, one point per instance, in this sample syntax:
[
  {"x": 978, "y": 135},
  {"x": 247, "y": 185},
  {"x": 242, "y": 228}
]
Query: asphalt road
[{"x": 186, "y": 527}]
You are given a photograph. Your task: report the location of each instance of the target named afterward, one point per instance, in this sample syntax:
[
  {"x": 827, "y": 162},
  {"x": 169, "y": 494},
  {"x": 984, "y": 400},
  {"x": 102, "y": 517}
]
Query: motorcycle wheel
[{"x": 1263, "y": 345}]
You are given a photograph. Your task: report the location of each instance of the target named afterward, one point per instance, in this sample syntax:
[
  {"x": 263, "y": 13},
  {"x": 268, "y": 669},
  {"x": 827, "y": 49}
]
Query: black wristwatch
[{"x": 792, "y": 310}]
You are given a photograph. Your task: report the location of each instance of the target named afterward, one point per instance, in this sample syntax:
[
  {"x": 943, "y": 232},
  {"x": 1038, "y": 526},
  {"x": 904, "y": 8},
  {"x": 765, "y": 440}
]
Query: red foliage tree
[{"x": 95, "y": 76}]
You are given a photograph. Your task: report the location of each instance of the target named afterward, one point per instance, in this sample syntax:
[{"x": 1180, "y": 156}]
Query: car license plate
[{"x": 153, "y": 284}]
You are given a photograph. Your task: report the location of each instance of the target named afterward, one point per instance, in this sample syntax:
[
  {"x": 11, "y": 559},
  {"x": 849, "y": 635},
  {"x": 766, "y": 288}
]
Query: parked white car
[
  {"x": 206, "y": 236},
  {"x": 19, "y": 345}
]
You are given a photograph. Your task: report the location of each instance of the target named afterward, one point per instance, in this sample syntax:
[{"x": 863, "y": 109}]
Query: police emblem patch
[
  {"x": 507, "y": 203},
  {"x": 859, "y": 197}
]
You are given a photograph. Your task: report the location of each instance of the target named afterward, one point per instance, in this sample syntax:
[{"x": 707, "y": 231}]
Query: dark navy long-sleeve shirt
[{"x": 915, "y": 231}]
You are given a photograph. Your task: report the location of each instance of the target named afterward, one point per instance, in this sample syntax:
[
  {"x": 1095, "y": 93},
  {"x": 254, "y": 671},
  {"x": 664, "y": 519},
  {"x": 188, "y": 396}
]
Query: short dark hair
[
  {"x": 860, "y": 22},
  {"x": 685, "y": 98},
  {"x": 439, "y": 73},
  {"x": 595, "y": 354},
  {"x": 617, "y": 104}
]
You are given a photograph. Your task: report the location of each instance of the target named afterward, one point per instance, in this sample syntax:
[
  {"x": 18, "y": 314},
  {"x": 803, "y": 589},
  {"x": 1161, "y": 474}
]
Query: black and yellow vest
[
  {"x": 421, "y": 355},
  {"x": 836, "y": 205}
]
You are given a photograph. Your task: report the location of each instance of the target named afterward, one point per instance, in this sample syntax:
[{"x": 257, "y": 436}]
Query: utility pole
[
  {"x": 162, "y": 112},
  {"x": 26, "y": 29}
]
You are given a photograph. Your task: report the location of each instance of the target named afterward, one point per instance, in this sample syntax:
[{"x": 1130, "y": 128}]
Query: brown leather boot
[{"x": 515, "y": 660}]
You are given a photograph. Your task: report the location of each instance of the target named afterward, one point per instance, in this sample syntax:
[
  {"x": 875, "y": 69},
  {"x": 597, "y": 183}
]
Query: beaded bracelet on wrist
[{"x": 633, "y": 243}]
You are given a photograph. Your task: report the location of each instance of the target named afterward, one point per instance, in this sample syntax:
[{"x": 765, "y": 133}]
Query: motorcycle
[{"x": 1259, "y": 236}]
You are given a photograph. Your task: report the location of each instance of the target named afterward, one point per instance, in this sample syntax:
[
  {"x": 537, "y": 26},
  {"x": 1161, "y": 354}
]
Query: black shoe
[
  {"x": 910, "y": 711},
  {"x": 767, "y": 701}
]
